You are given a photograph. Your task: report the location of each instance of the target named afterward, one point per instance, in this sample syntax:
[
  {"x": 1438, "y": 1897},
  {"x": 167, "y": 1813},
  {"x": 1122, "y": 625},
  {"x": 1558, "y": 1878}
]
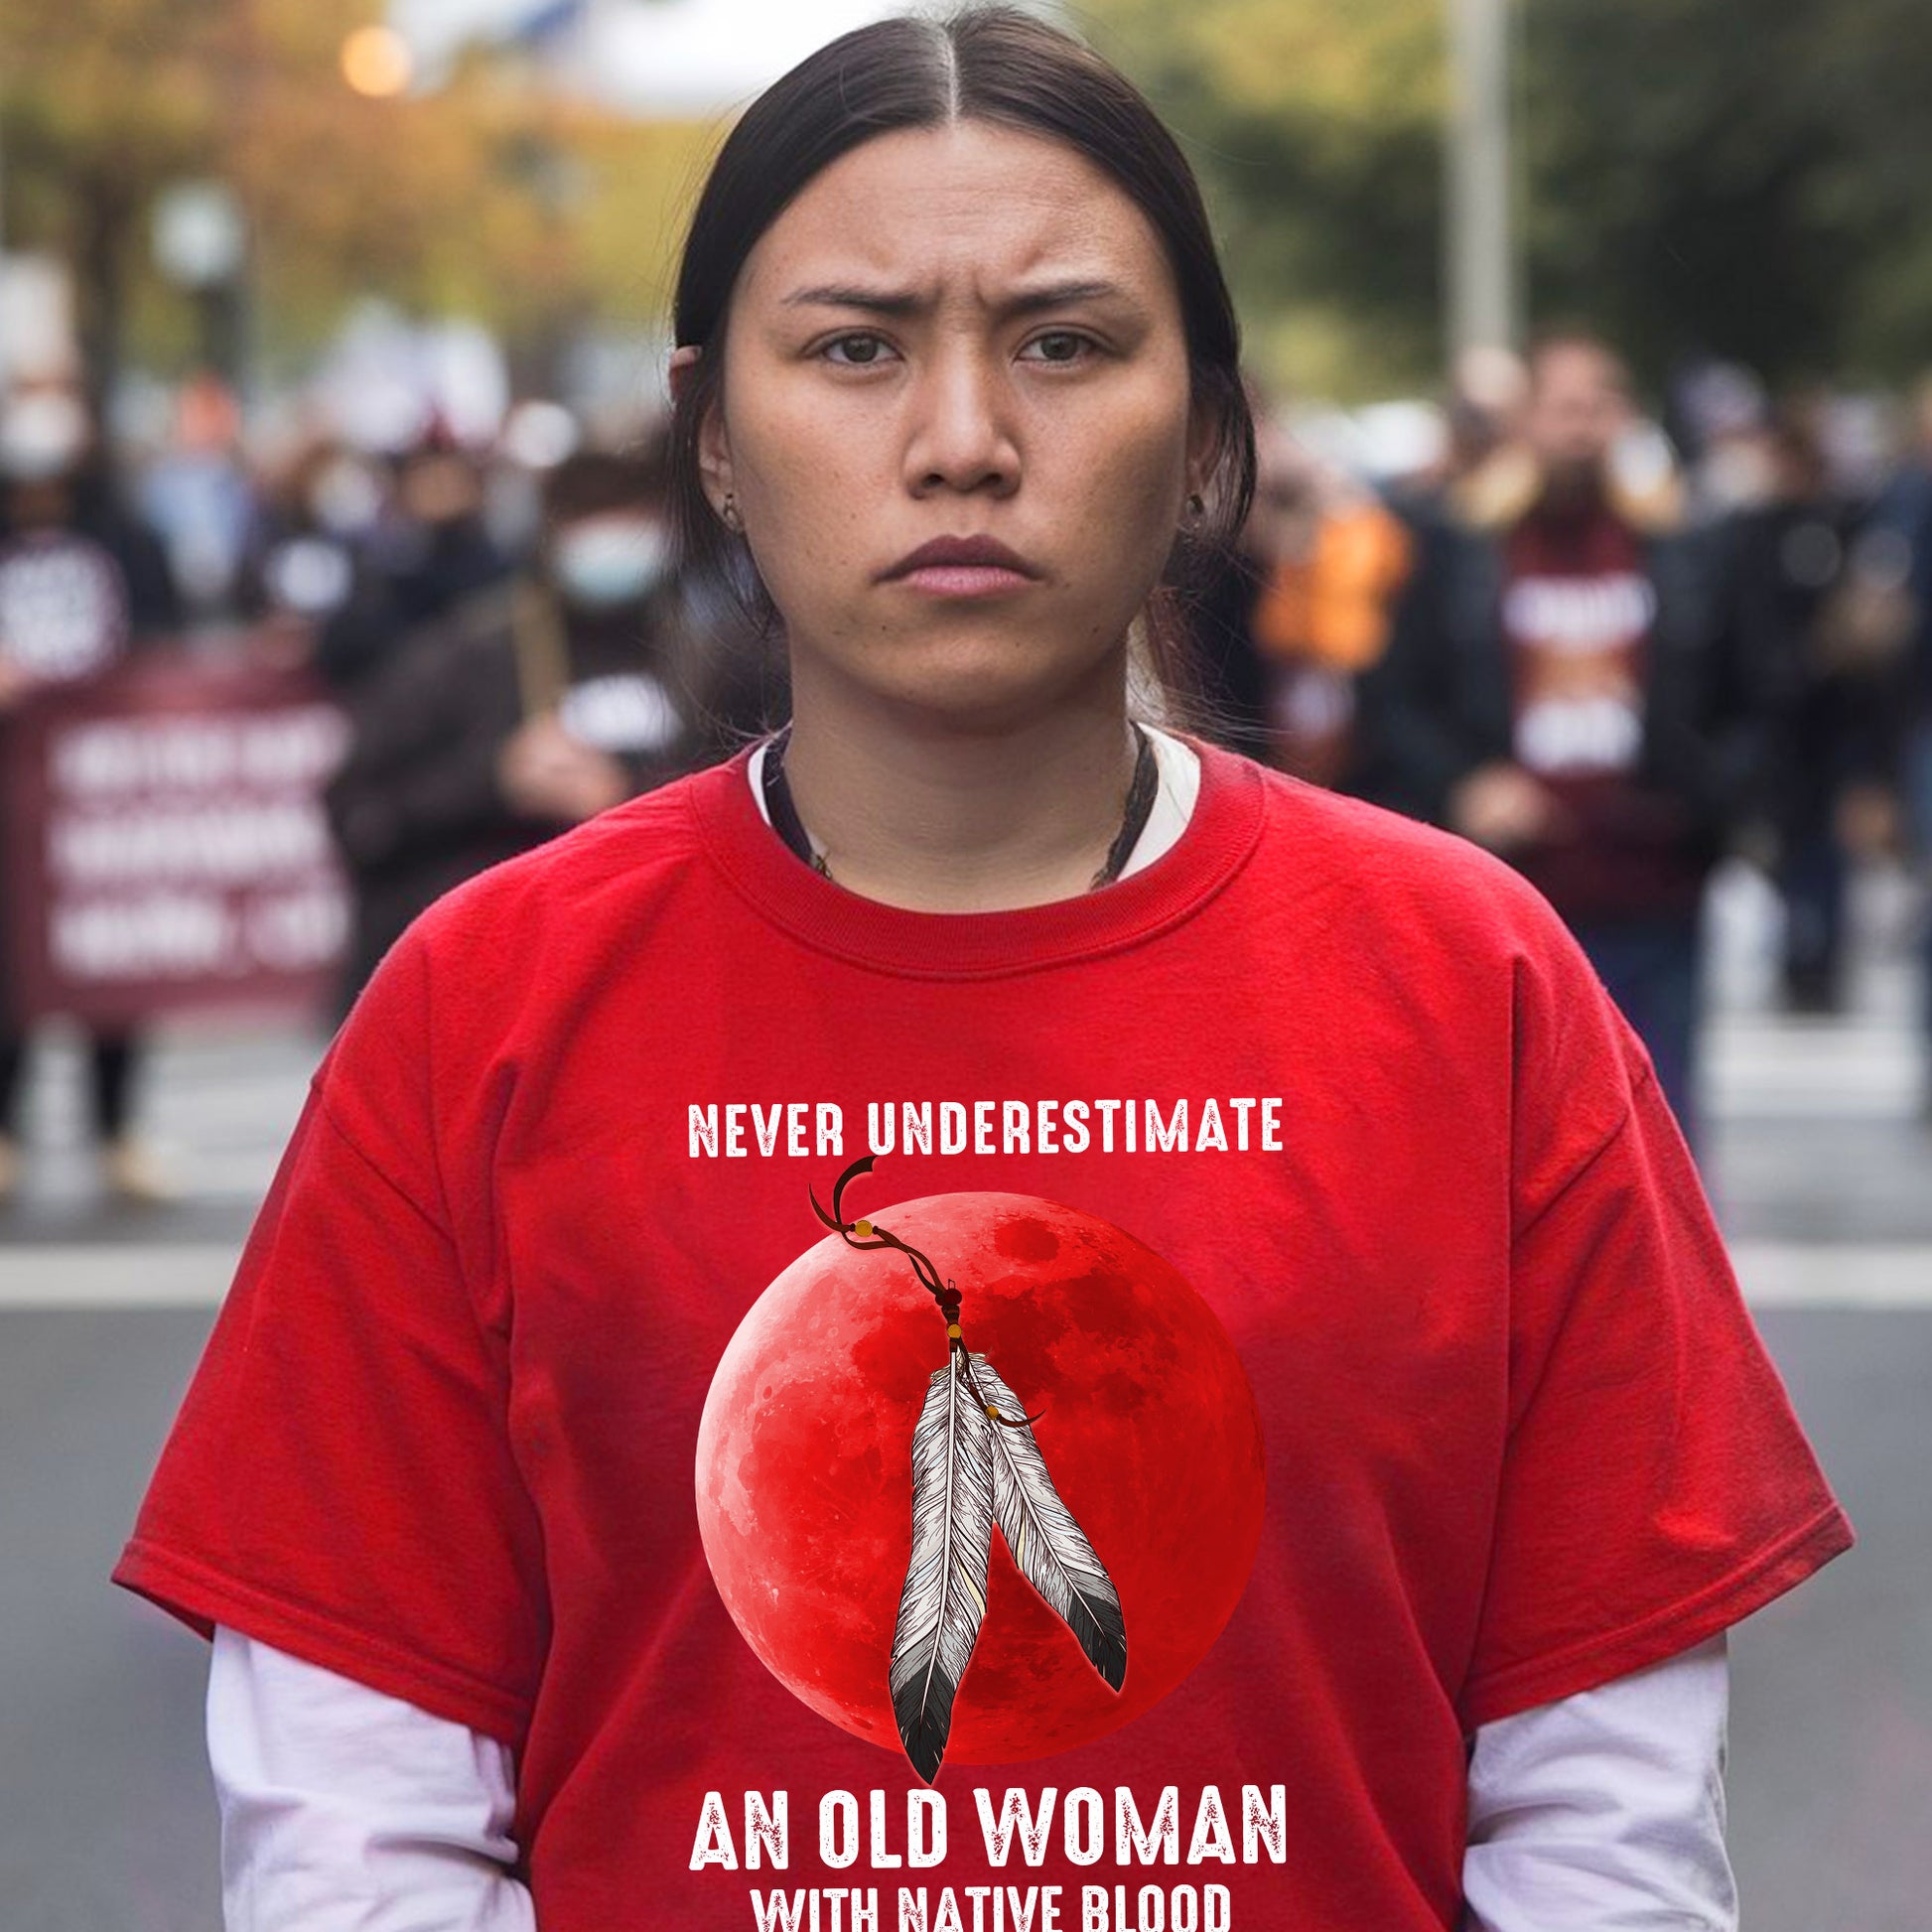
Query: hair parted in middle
[{"x": 1002, "y": 67}]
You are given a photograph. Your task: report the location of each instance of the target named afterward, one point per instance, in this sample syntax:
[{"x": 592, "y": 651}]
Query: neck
[{"x": 943, "y": 814}]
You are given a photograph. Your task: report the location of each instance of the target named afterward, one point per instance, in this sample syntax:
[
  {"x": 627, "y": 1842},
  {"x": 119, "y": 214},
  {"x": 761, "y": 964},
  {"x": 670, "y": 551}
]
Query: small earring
[
  {"x": 1195, "y": 504},
  {"x": 733, "y": 522}
]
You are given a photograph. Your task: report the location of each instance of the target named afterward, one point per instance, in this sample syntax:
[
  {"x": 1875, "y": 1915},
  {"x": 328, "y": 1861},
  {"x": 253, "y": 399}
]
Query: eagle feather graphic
[
  {"x": 1048, "y": 1546},
  {"x": 968, "y": 1472},
  {"x": 944, "y": 1597},
  {"x": 975, "y": 1461}
]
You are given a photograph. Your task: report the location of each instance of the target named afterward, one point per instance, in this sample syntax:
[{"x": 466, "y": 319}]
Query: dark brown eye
[
  {"x": 869, "y": 342},
  {"x": 1069, "y": 345}
]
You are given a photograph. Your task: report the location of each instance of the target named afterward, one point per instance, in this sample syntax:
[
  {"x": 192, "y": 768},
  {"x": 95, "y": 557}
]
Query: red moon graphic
[{"x": 1150, "y": 1430}]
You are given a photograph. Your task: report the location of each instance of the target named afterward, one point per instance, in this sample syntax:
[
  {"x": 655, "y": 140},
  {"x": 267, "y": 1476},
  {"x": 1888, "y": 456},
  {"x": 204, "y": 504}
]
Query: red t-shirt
[{"x": 1304, "y": 1187}]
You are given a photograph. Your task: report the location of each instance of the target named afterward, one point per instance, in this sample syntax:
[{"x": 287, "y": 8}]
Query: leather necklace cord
[{"x": 1139, "y": 803}]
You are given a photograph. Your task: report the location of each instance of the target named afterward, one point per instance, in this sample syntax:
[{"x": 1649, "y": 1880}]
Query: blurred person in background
[
  {"x": 1337, "y": 558},
  {"x": 427, "y": 551},
  {"x": 1723, "y": 423},
  {"x": 1488, "y": 391},
  {"x": 531, "y": 707},
  {"x": 81, "y": 582},
  {"x": 198, "y": 498},
  {"x": 1820, "y": 615},
  {"x": 1902, "y": 551},
  {"x": 305, "y": 570},
  {"x": 1560, "y": 688},
  {"x": 1300, "y": 610}
]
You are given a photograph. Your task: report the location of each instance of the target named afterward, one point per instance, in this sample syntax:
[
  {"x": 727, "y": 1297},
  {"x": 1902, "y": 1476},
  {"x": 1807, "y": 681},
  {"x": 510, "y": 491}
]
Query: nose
[{"x": 962, "y": 433}]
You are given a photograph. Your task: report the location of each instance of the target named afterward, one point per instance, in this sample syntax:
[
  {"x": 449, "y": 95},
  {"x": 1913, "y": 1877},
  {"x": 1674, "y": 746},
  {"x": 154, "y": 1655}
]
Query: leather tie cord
[{"x": 1140, "y": 804}]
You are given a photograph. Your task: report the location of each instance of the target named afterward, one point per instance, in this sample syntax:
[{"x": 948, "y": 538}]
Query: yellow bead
[
  {"x": 863, "y": 1229},
  {"x": 993, "y": 1412},
  {"x": 952, "y": 1329}
]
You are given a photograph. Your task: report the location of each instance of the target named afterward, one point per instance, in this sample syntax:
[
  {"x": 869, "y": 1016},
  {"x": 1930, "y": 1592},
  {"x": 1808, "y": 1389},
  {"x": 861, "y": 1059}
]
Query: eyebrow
[{"x": 891, "y": 302}]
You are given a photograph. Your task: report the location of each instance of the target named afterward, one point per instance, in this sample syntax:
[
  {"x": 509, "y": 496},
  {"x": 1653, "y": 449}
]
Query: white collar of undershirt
[{"x": 1173, "y": 799}]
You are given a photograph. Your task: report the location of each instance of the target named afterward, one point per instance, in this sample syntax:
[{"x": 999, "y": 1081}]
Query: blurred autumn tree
[
  {"x": 1716, "y": 176},
  {"x": 1316, "y": 130},
  {"x": 488, "y": 196},
  {"x": 1736, "y": 178},
  {"x": 1720, "y": 177}
]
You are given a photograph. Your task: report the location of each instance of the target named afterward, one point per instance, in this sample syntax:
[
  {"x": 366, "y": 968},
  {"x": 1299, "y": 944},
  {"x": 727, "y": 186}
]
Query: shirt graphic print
[
  {"x": 1086, "y": 1401},
  {"x": 1577, "y": 611}
]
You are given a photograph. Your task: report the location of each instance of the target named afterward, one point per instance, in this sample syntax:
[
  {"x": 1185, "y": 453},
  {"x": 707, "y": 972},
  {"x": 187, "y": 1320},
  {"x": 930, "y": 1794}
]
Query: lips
[{"x": 985, "y": 553}]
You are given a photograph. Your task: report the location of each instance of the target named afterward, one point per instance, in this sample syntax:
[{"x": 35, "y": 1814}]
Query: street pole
[{"x": 1479, "y": 255}]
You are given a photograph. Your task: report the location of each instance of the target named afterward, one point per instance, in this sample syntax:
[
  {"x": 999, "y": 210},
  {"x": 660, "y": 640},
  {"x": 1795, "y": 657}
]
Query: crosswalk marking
[
  {"x": 117, "y": 1275},
  {"x": 229, "y": 1119},
  {"x": 1834, "y": 1274},
  {"x": 1765, "y": 1067}
]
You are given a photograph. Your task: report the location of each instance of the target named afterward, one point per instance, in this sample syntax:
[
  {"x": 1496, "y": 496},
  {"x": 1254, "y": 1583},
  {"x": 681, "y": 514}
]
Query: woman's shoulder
[
  {"x": 611, "y": 867},
  {"x": 1390, "y": 873},
  {"x": 1434, "y": 929}
]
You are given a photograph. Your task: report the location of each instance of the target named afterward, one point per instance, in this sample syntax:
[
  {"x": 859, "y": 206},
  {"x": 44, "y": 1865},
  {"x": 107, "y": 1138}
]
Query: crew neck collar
[
  {"x": 1220, "y": 832},
  {"x": 1176, "y": 780}
]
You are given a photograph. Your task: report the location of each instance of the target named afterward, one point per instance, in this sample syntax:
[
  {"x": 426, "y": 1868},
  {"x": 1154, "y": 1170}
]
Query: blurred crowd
[
  {"x": 1615, "y": 649},
  {"x": 496, "y": 619}
]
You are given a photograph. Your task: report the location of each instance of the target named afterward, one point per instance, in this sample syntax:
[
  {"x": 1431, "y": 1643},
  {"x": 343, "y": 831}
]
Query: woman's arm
[
  {"x": 346, "y": 1808},
  {"x": 1605, "y": 1812}
]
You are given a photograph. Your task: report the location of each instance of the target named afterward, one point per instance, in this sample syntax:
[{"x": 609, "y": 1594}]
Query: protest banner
[{"x": 165, "y": 847}]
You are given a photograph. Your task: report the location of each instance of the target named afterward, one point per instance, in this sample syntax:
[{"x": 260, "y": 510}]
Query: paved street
[{"x": 1823, "y": 1175}]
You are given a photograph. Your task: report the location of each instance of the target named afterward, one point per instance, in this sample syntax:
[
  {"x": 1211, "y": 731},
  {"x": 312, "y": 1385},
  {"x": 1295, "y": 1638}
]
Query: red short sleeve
[
  {"x": 1656, "y": 1486},
  {"x": 338, "y": 1482}
]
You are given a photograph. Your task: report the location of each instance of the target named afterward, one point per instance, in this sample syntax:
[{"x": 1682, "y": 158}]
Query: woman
[{"x": 1366, "y": 1360}]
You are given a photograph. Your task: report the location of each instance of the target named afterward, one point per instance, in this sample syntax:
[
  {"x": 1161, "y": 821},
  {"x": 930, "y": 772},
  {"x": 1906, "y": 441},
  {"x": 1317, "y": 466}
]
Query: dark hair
[{"x": 1002, "y": 67}]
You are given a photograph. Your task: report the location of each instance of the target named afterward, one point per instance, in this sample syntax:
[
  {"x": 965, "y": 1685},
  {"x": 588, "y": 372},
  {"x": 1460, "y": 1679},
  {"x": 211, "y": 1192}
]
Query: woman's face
[{"x": 958, "y": 332}]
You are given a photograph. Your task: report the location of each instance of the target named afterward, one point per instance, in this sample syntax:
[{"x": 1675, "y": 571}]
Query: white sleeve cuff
[
  {"x": 1607, "y": 1809},
  {"x": 342, "y": 1807}
]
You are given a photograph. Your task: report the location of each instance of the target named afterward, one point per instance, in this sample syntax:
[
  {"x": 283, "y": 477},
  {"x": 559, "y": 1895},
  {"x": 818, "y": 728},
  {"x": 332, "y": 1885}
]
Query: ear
[
  {"x": 1203, "y": 433},
  {"x": 714, "y": 445}
]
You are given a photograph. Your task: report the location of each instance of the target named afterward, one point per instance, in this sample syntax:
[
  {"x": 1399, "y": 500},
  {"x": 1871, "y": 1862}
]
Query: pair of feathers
[{"x": 970, "y": 1471}]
